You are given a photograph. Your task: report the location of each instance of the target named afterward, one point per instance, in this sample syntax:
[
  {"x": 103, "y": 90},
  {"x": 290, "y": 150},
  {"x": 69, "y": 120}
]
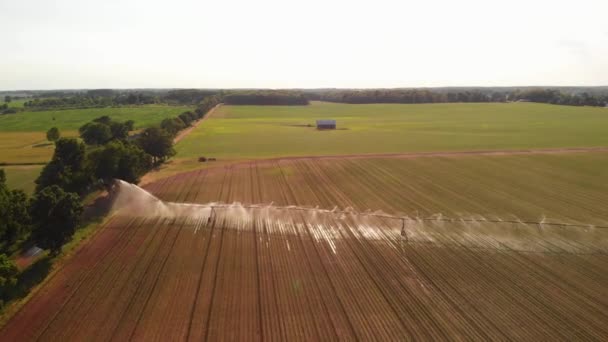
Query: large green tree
[
  {"x": 172, "y": 125},
  {"x": 53, "y": 134},
  {"x": 157, "y": 142},
  {"x": 95, "y": 133},
  {"x": 187, "y": 117},
  {"x": 120, "y": 160},
  {"x": 8, "y": 276},
  {"x": 14, "y": 216},
  {"x": 130, "y": 125},
  {"x": 67, "y": 168},
  {"x": 119, "y": 130},
  {"x": 55, "y": 215}
]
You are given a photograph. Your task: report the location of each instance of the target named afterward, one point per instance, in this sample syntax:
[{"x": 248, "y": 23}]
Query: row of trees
[
  {"x": 107, "y": 150},
  {"x": 48, "y": 219}
]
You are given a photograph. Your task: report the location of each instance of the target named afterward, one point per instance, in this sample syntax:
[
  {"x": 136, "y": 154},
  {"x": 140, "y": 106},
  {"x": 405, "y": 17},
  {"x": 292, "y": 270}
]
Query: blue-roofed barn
[{"x": 326, "y": 124}]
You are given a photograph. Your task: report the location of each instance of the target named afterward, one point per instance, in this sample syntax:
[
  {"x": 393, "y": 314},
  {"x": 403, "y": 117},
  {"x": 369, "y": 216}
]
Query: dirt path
[{"x": 187, "y": 131}]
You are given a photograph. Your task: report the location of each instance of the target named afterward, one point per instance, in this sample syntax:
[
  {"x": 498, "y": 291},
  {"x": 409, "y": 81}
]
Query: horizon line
[{"x": 302, "y": 88}]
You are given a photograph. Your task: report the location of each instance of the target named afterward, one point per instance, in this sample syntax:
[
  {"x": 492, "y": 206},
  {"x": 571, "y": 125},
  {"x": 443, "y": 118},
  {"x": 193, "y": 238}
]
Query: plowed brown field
[{"x": 307, "y": 275}]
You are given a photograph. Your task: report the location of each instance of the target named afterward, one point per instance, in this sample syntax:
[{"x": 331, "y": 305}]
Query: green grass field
[
  {"x": 236, "y": 132},
  {"x": 22, "y": 176},
  {"x": 23, "y": 135},
  {"x": 72, "y": 119},
  {"x": 16, "y": 103}
]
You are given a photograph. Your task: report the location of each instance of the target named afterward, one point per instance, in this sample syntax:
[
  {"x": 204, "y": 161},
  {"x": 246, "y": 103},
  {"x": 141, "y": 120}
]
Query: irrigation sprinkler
[
  {"x": 403, "y": 231},
  {"x": 210, "y": 215}
]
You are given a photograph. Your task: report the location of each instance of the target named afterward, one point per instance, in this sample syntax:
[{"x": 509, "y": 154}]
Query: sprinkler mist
[{"x": 472, "y": 231}]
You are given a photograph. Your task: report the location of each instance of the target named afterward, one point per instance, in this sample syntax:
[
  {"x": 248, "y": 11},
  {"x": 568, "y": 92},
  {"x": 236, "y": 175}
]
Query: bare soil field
[{"x": 452, "y": 270}]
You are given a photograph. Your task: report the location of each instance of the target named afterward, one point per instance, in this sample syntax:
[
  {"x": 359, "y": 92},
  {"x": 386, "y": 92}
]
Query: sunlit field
[
  {"x": 72, "y": 119},
  {"x": 272, "y": 131}
]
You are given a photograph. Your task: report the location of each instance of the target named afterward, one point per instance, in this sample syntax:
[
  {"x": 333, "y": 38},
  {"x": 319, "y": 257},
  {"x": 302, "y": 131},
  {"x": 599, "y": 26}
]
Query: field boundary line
[{"x": 181, "y": 135}]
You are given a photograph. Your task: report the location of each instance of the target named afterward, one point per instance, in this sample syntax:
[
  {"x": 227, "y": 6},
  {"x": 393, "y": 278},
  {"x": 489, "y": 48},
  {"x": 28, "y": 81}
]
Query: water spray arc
[{"x": 469, "y": 232}]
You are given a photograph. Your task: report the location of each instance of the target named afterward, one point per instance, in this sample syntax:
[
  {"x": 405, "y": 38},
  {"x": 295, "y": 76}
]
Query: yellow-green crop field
[{"x": 246, "y": 132}]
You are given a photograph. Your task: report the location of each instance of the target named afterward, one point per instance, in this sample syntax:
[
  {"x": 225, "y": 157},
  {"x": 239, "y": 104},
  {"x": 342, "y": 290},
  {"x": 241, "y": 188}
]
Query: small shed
[{"x": 326, "y": 124}]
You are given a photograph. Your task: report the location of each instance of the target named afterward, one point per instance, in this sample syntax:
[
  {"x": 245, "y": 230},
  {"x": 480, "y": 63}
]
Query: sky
[{"x": 69, "y": 44}]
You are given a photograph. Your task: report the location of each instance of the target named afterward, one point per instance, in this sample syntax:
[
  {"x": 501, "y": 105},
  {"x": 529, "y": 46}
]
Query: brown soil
[
  {"x": 447, "y": 154},
  {"x": 234, "y": 277},
  {"x": 174, "y": 166}
]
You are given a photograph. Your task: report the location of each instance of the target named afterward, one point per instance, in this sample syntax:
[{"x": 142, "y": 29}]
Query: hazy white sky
[{"x": 314, "y": 43}]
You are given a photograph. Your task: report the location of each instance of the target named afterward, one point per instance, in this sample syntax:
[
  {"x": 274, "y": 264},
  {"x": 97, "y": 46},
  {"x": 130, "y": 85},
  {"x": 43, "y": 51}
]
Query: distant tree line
[
  {"x": 557, "y": 97},
  {"x": 90, "y": 101},
  {"x": 405, "y": 96},
  {"x": 552, "y": 96},
  {"x": 108, "y": 98},
  {"x": 278, "y": 97},
  {"x": 187, "y": 96}
]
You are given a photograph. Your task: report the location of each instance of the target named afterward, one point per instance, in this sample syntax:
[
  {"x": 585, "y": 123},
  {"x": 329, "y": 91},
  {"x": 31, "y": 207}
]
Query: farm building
[{"x": 326, "y": 124}]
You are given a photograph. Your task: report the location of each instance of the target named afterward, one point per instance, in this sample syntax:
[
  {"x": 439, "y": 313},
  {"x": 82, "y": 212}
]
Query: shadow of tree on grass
[{"x": 43, "y": 144}]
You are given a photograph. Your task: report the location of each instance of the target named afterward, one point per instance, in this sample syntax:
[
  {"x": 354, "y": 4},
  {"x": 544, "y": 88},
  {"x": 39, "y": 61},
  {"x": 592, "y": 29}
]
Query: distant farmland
[
  {"x": 23, "y": 135},
  {"x": 72, "y": 119},
  {"x": 291, "y": 275},
  {"x": 497, "y": 246},
  {"x": 243, "y": 132}
]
